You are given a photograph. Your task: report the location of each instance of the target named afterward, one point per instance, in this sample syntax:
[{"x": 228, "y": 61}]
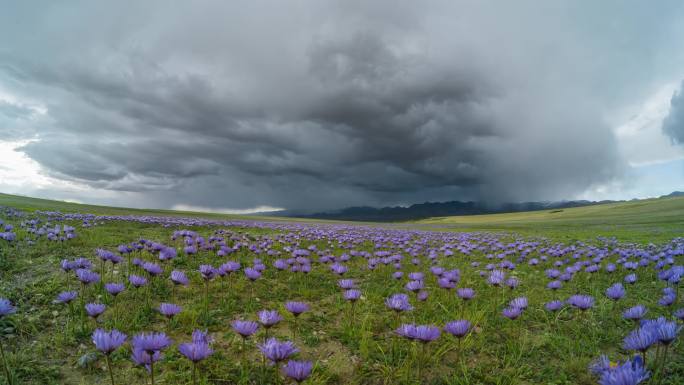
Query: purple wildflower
[
  {"x": 179, "y": 278},
  {"x": 114, "y": 288},
  {"x": 465, "y": 293},
  {"x": 108, "y": 341},
  {"x": 94, "y": 310},
  {"x": 298, "y": 370},
  {"x": 615, "y": 292},
  {"x": 269, "y": 318},
  {"x": 244, "y": 328},
  {"x": 277, "y": 351},
  {"x": 169, "y": 310},
  {"x": 512, "y": 312},
  {"x": 66, "y": 296},
  {"x": 458, "y": 328},
  {"x": 582, "y": 302},
  {"x": 296, "y": 308},
  {"x": 398, "y": 302},
  {"x": 137, "y": 281},
  {"x": 352, "y": 295}
]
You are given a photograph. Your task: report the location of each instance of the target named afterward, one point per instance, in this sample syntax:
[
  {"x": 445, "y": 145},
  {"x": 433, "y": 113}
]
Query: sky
[{"x": 241, "y": 106}]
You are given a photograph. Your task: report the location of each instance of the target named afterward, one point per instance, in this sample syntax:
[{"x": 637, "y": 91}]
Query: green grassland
[
  {"x": 648, "y": 220},
  {"x": 47, "y": 346}
]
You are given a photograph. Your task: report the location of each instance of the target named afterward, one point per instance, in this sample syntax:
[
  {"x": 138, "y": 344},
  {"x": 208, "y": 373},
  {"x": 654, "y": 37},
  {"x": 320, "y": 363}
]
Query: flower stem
[
  {"x": 206, "y": 303},
  {"x": 4, "y": 362},
  {"x": 109, "y": 367}
]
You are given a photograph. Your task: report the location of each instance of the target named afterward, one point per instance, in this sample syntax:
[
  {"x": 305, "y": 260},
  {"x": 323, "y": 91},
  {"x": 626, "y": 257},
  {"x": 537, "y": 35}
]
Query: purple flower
[
  {"x": 426, "y": 333},
  {"x": 152, "y": 268},
  {"x": 141, "y": 357},
  {"x": 151, "y": 342},
  {"x": 554, "y": 305},
  {"x": 280, "y": 264},
  {"x": 631, "y": 278},
  {"x": 95, "y": 309},
  {"x": 600, "y": 365},
  {"x": 512, "y": 282},
  {"x": 252, "y": 274},
  {"x": 352, "y": 295},
  {"x": 465, "y": 293},
  {"x": 640, "y": 339},
  {"x": 137, "y": 280},
  {"x": 66, "y": 296},
  {"x": 167, "y": 253},
  {"x": 346, "y": 284},
  {"x": 82, "y": 263},
  {"x": 338, "y": 268},
  {"x": 107, "y": 342},
  {"x": 422, "y": 295},
  {"x": 6, "y": 307},
  {"x": 269, "y": 318},
  {"x": 114, "y": 288},
  {"x": 496, "y": 277},
  {"x": 667, "y": 299},
  {"x": 195, "y": 351},
  {"x": 667, "y": 331},
  {"x": 630, "y": 373},
  {"x": 398, "y": 302},
  {"x": 635, "y": 313},
  {"x": 582, "y": 302},
  {"x": 199, "y": 336},
  {"x": 615, "y": 292},
  {"x": 169, "y": 310},
  {"x": 414, "y": 286},
  {"x": 554, "y": 285},
  {"x": 679, "y": 313},
  {"x": 297, "y": 308},
  {"x": 422, "y": 333},
  {"x": 87, "y": 277},
  {"x": 179, "y": 278},
  {"x": 445, "y": 283},
  {"x": 207, "y": 271},
  {"x": 520, "y": 303},
  {"x": 458, "y": 328},
  {"x": 277, "y": 351},
  {"x": 407, "y": 331},
  {"x": 66, "y": 265},
  {"x": 397, "y": 274},
  {"x": 105, "y": 255},
  {"x": 245, "y": 328},
  {"x": 298, "y": 370},
  {"x": 512, "y": 312}
]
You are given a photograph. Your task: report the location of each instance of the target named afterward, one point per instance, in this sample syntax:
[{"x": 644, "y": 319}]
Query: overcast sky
[{"x": 243, "y": 105}]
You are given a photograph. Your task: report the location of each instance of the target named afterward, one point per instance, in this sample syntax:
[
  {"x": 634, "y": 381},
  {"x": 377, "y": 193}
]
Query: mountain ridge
[{"x": 450, "y": 208}]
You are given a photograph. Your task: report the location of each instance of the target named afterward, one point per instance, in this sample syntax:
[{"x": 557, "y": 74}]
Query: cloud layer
[
  {"x": 673, "y": 125},
  {"x": 320, "y": 104}
]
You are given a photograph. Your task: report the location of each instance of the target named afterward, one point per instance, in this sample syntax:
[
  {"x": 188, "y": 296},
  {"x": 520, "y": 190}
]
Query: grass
[
  {"x": 45, "y": 346},
  {"x": 648, "y": 220}
]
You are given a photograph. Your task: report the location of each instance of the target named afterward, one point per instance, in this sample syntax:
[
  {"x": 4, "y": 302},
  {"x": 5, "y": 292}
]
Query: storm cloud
[
  {"x": 673, "y": 125},
  {"x": 323, "y": 104}
]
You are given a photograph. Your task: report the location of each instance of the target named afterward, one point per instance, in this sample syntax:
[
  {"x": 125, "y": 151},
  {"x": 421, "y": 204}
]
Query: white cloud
[
  {"x": 253, "y": 210},
  {"x": 640, "y": 136}
]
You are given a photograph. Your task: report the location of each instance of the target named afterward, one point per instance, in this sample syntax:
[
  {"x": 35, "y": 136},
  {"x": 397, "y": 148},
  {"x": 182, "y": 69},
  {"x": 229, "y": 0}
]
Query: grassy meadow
[{"x": 348, "y": 343}]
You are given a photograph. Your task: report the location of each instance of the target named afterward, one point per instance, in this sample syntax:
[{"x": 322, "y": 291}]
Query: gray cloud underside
[
  {"x": 327, "y": 104},
  {"x": 673, "y": 125}
]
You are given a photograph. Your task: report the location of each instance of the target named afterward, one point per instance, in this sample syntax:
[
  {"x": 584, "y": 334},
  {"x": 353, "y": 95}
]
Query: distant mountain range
[{"x": 442, "y": 209}]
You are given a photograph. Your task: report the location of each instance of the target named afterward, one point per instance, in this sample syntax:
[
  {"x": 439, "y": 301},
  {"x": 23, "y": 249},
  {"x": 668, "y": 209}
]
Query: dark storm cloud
[
  {"x": 326, "y": 104},
  {"x": 673, "y": 125}
]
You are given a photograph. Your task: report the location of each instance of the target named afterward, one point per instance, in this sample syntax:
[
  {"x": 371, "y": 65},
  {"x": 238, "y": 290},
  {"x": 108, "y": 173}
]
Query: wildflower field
[{"x": 92, "y": 295}]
